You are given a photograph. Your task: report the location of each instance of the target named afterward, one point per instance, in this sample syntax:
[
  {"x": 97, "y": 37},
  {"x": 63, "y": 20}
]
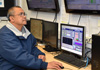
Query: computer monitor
[
  {"x": 36, "y": 29},
  {"x": 73, "y": 39},
  {"x": 50, "y": 36}
]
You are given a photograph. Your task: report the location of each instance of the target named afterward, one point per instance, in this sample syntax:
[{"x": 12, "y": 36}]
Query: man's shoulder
[{"x": 5, "y": 31}]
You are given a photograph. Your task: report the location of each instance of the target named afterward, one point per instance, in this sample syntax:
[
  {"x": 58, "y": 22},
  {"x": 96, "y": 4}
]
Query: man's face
[{"x": 19, "y": 17}]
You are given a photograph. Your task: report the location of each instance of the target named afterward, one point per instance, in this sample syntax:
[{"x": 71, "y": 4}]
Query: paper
[
  {"x": 84, "y": 21},
  {"x": 93, "y": 24},
  {"x": 73, "y": 19},
  {"x": 1, "y": 3},
  {"x": 99, "y": 22},
  {"x": 64, "y": 16}
]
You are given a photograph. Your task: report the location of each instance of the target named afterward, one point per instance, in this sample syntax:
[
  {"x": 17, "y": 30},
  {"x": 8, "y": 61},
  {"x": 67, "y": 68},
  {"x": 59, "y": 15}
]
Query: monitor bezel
[
  {"x": 46, "y": 9},
  {"x": 83, "y": 48},
  {"x": 77, "y": 11},
  {"x": 42, "y": 27},
  {"x": 57, "y": 34}
]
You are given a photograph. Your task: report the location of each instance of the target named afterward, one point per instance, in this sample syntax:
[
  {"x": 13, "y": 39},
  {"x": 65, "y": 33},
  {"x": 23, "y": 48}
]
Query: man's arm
[
  {"x": 36, "y": 51},
  {"x": 12, "y": 51}
]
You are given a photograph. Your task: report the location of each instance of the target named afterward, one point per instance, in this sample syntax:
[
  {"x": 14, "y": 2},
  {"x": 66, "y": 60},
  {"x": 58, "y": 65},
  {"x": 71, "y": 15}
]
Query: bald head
[{"x": 11, "y": 11}]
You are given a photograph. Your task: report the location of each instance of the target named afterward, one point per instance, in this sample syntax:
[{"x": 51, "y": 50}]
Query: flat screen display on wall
[
  {"x": 83, "y": 6},
  {"x": 43, "y": 5}
]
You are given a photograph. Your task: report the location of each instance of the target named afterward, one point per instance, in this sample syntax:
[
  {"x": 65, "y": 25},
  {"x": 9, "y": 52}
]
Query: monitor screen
[
  {"x": 36, "y": 28},
  {"x": 50, "y": 35},
  {"x": 82, "y": 6},
  {"x": 43, "y": 5},
  {"x": 72, "y": 39}
]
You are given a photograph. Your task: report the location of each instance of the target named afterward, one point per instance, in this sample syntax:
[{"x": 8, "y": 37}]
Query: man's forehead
[{"x": 18, "y": 10}]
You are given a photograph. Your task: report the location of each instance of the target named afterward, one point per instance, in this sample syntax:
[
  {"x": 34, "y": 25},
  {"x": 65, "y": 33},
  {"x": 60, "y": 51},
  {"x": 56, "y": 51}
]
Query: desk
[{"x": 50, "y": 57}]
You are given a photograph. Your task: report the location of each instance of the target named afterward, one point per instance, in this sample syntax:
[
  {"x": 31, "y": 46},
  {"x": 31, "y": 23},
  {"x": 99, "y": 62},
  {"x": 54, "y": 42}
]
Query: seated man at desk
[{"x": 17, "y": 45}]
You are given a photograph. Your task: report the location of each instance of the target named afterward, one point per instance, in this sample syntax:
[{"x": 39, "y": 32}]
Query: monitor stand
[
  {"x": 39, "y": 41},
  {"x": 50, "y": 49}
]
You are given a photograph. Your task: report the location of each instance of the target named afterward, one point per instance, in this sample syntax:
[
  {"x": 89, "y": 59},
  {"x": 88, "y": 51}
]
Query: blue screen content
[
  {"x": 72, "y": 39},
  {"x": 83, "y": 4}
]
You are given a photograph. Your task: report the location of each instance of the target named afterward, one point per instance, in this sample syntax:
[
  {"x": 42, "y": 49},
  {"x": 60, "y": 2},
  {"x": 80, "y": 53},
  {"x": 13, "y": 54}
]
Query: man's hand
[
  {"x": 54, "y": 65},
  {"x": 42, "y": 57}
]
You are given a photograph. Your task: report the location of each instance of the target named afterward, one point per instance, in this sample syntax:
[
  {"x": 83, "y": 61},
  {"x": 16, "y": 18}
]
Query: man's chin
[{"x": 25, "y": 23}]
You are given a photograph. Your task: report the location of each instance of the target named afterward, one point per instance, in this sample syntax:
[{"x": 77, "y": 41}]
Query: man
[{"x": 17, "y": 45}]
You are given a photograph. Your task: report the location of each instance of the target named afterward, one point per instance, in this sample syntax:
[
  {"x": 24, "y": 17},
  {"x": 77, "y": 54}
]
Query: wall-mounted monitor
[
  {"x": 82, "y": 6},
  {"x": 5, "y": 5},
  {"x": 43, "y": 5}
]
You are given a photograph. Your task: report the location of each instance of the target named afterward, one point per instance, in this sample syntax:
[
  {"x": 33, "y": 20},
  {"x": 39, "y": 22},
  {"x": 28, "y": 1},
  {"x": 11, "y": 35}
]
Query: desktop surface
[{"x": 50, "y": 57}]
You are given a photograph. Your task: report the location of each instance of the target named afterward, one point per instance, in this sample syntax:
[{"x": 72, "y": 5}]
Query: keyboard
[{"x": 71, "y": 60}]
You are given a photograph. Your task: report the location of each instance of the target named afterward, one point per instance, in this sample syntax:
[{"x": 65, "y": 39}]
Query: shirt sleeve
[
  {"x": 35, "y": 50},
  {"x": 12, "y": 50}
]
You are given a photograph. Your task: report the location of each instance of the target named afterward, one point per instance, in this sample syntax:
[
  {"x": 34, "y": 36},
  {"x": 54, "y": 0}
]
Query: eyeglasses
[{"x": 21, "y": 14}]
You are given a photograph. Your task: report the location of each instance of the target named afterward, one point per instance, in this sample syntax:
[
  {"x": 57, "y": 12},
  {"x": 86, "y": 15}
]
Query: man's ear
[{"x": 11, "y": 18}]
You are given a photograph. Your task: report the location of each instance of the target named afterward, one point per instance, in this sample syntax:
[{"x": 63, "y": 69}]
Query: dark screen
[
  {"x": 50, "y": 33},
  {"x": 67, "y": 40},
  {"x": 43, "y": 5},
  {"x": 83, "y": 6}
]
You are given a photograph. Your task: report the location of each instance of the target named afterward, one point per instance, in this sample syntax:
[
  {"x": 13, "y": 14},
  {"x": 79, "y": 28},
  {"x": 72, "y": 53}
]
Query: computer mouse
[{"x": 62, "y": 67}]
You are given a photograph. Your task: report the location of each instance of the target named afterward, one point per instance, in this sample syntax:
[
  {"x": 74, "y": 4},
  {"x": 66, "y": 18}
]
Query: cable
[
  {"x": 88, "y": 40},
  {"x": 69, "y": 18},
  {"x": 79, "y": 20},
  {"x": 68, "y": 68},
  {"x": 55, "y": 53},
  {"x": 98, "y": 32},
  {"x": 87, "y": 62},
  {"x": 55, "y": 18},
  {"x": 37, "y": 15}
]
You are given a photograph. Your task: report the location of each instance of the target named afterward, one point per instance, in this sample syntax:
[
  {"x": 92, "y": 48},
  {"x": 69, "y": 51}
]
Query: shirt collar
[{"x": 25, "y": 33}]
